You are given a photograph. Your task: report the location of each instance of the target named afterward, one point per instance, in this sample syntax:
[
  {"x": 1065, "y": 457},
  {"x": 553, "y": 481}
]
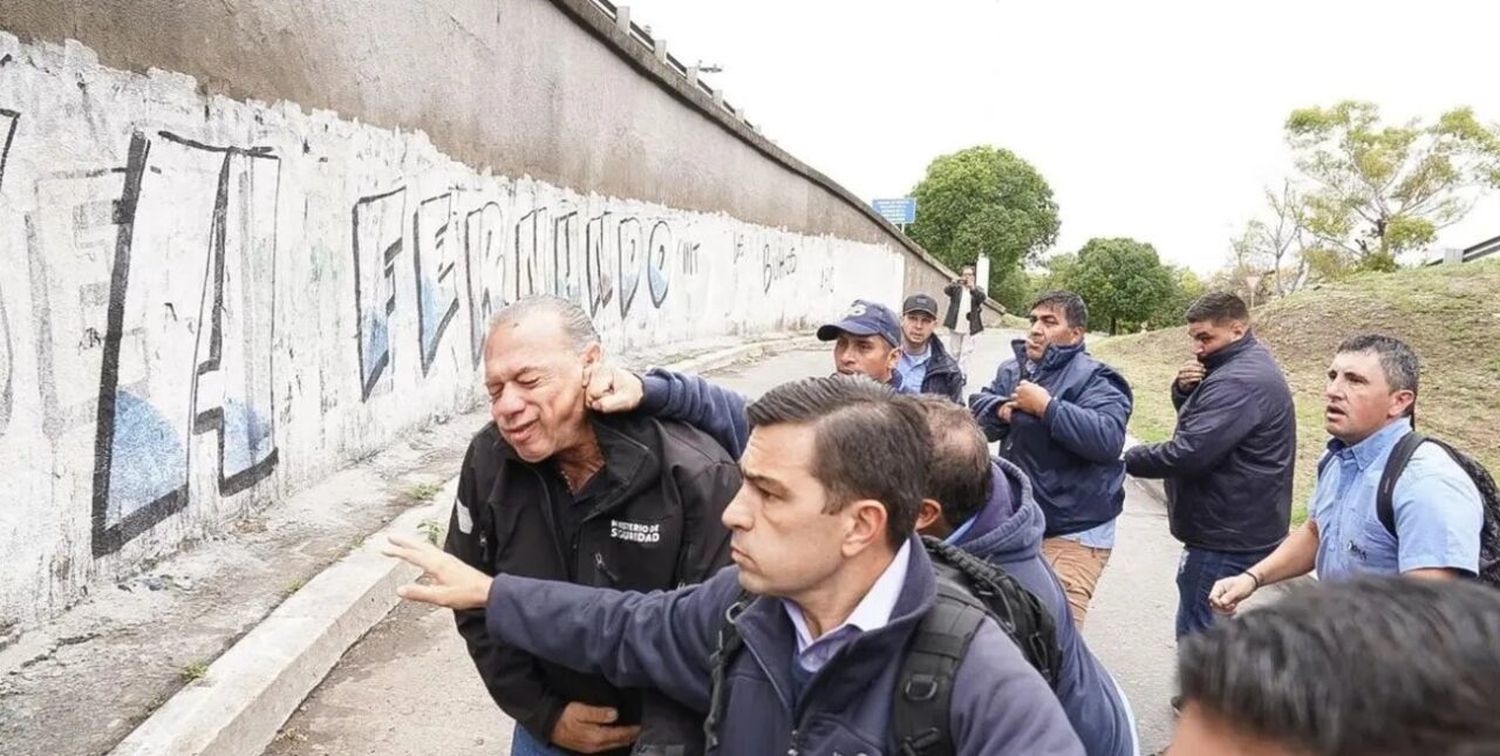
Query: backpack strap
[
  {"x": 924, "y": 685},
  {"x": 727, "y": 646},
  {"x": 1394, "y": 465}
]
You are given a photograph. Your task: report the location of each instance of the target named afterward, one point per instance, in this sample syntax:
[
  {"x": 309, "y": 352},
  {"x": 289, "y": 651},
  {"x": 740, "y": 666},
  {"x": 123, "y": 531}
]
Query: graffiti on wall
[
  {"x": 597, "y": 263},
  {"x": 187, "y": 345}
]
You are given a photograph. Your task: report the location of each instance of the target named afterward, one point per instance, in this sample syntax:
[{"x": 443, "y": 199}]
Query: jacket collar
[
  {"x": 770, "y": 637},
  {"x": 1053, "y": 357},
  {"x": 1223, "y": 356},
  {"x": 629, "y": 462},
  {"x": 940, "y": 363}
]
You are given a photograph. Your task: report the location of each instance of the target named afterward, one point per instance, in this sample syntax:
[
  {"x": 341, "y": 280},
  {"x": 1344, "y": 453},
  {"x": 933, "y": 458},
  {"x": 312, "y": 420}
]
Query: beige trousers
[{"x": 1079, "y": 568}]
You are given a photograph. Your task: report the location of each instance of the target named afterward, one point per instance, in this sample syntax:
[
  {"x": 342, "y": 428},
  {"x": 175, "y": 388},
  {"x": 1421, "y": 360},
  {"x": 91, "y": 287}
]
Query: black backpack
[
  {"x": 1489, "y": 495},
  {"x": 968, "y": 590}
]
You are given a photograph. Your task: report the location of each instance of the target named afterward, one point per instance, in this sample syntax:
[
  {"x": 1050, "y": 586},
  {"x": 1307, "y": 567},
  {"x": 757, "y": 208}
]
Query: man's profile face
[
  {"x": 1210, "y": 336},
  {"x": 916, "y": 327},
  {"x": 1359, "y": 399},
  {"x": 782, "y": 540},
  {"x": 871, "y": 356},
  {"x": 1203, "y": 733},
  {"x": 1049, "y": 326},
  {"x": 534, "y": 378}
]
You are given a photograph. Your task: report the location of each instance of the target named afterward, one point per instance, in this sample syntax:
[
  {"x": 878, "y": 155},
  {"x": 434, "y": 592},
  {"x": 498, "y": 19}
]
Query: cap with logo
[
  {"x": 920, "y": 303},
  {"x": 865, "y": 318}
]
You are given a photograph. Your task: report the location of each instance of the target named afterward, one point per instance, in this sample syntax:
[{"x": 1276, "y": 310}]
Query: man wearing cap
[
  {"x": 867, "y": 341},
  {"x": 924, "y": 363}
]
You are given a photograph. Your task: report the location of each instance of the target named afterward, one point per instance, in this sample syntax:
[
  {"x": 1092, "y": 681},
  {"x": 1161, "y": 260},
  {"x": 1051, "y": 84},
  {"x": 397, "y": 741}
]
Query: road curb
[{"x": 250, "y": 690}]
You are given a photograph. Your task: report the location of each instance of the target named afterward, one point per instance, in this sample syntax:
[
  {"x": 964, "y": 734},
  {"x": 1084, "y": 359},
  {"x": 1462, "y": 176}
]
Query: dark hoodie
[{"x": 1007, "y": 532}]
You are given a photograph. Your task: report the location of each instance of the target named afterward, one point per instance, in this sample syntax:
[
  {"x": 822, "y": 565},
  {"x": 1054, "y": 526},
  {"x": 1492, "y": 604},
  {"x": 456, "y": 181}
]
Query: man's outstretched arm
[{"x": 660, "y": 640}]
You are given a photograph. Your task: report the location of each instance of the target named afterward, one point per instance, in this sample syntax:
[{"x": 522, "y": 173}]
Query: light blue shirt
[
  {"x": 871, "y": 613},
  {"x": 1101, "y": 536},
  {"x": 913, "y": 368},
  {"x": 1437, "y": 511}
]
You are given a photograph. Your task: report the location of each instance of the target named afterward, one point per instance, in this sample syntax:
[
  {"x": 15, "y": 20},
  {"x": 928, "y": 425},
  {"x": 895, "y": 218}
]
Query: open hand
[
  {"x": 608, "y": 388},
  {"x": 451, "y": 583}
]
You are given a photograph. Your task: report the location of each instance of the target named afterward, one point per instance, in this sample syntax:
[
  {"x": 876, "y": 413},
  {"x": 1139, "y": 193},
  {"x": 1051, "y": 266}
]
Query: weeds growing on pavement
[{"x": 193, "y": 672}]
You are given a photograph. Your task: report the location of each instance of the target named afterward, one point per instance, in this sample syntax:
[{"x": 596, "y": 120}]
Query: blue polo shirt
[
  {"x": 913, "y": 368},
  {"x": 1437, "y": 511}
]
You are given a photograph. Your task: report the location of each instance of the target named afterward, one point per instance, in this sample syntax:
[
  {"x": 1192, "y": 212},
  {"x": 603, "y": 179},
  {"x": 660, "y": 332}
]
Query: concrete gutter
[{"x": 247, "y": 694}]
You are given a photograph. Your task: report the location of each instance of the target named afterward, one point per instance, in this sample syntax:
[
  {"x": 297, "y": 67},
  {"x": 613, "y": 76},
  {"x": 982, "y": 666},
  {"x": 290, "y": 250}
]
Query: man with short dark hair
[
  {"x": 1372, "y": 666},
  {"x": 1060, "y": 415},
  {"x": 924, "y": 362},
  {"x": 838, "y": 582},
  {"x": 1227, "y": 469},
  {"x": 867, "y": 341},
  {"x": 552, "y": 490},
  {"x": 1436, "y": 509},
  {"x": 964, "y": 324},
  {"x": 985, "y": 507}
]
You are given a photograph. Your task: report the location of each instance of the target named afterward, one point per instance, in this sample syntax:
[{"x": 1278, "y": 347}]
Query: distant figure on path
[{"x": 963, "y": 326}]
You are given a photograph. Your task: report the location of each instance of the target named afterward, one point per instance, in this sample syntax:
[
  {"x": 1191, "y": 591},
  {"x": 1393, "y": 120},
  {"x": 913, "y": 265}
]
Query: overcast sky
[{"x": 1155, "y": 120}]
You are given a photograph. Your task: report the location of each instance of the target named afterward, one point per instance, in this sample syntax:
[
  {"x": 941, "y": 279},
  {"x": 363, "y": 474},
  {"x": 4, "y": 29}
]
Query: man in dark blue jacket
[
  {"x": 1228, "y": 466},
  {"x": 824, "y": 543},
  {"x": 1060, "y": 416},
  {"x": 925, "y": 362},
  {"x": 985, "y": 507}
]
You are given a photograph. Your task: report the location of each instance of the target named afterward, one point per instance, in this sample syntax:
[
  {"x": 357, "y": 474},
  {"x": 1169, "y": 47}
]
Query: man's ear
[
  {"x": 592, "y": 354},
  {"x": 867, "y": 526},
  {"x": 930, "y": 518}
]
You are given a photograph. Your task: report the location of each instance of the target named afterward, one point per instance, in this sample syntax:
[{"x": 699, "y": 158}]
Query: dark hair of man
[
  {"x": 1397, "y": 360},
  {"x": 868, "y": 443},
  {"x": 1066, "y": 302},
  {"x": 1217, "y": 307},
  {"x": 1370, "y": 667},
  {"x": 959, "y": 476}
]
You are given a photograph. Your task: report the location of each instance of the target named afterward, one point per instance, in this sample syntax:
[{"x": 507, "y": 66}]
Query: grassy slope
[{"x": 1449, "y": 314}]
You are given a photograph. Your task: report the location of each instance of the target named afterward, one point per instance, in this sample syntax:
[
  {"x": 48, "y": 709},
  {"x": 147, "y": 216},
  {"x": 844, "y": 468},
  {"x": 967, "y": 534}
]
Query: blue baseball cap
[{"x": 865, "y": 318}]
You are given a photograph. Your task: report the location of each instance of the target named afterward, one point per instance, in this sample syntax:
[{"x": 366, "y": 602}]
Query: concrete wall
[{"x": 225, "y": 278}]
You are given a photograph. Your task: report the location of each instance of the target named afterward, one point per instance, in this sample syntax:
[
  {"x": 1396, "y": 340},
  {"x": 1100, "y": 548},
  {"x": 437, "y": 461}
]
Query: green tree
[
  {"x": 1380, "y": 190},
  {"x": 1122, "y": 280},
  {"x": 985, "y": 199}
]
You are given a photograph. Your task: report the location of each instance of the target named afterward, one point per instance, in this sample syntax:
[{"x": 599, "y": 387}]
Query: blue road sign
[{"x": 899, "y": 211}]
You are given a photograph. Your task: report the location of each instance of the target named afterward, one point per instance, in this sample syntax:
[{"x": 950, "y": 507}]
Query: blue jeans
[
  {"x": 1196, "y": 575},
  {"x": 522, "y": 744}
]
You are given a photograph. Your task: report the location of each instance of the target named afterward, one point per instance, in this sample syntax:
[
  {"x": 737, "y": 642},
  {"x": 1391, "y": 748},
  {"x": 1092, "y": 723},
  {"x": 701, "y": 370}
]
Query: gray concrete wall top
[{"x": 555, "y": 90}]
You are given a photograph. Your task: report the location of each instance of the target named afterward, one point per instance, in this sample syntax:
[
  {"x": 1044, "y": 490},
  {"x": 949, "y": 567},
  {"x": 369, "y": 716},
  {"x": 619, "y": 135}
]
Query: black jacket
[
  {"x": 943, "y": 378},
  {"x": 976, "y": 307},
  {"x": 656, "y": 527},
  {"x": 1228, "y": 466}
]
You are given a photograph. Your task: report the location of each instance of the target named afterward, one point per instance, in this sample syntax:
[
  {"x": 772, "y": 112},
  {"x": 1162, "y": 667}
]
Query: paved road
[{"x": 408, "y": 687}]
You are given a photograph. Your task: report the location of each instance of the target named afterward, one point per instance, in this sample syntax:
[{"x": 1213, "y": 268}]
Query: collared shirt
[
  {"x": 871, "y": 613},
  {"x": 913, "y": 367},
  {"x": 1437, "y": 510}
]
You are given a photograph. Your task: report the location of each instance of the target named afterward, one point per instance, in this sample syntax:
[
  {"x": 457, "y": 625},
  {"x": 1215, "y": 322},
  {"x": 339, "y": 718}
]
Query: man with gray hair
[
  {"x": 1436, "y": 513},
  {"x": 552, "y": 490}
]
